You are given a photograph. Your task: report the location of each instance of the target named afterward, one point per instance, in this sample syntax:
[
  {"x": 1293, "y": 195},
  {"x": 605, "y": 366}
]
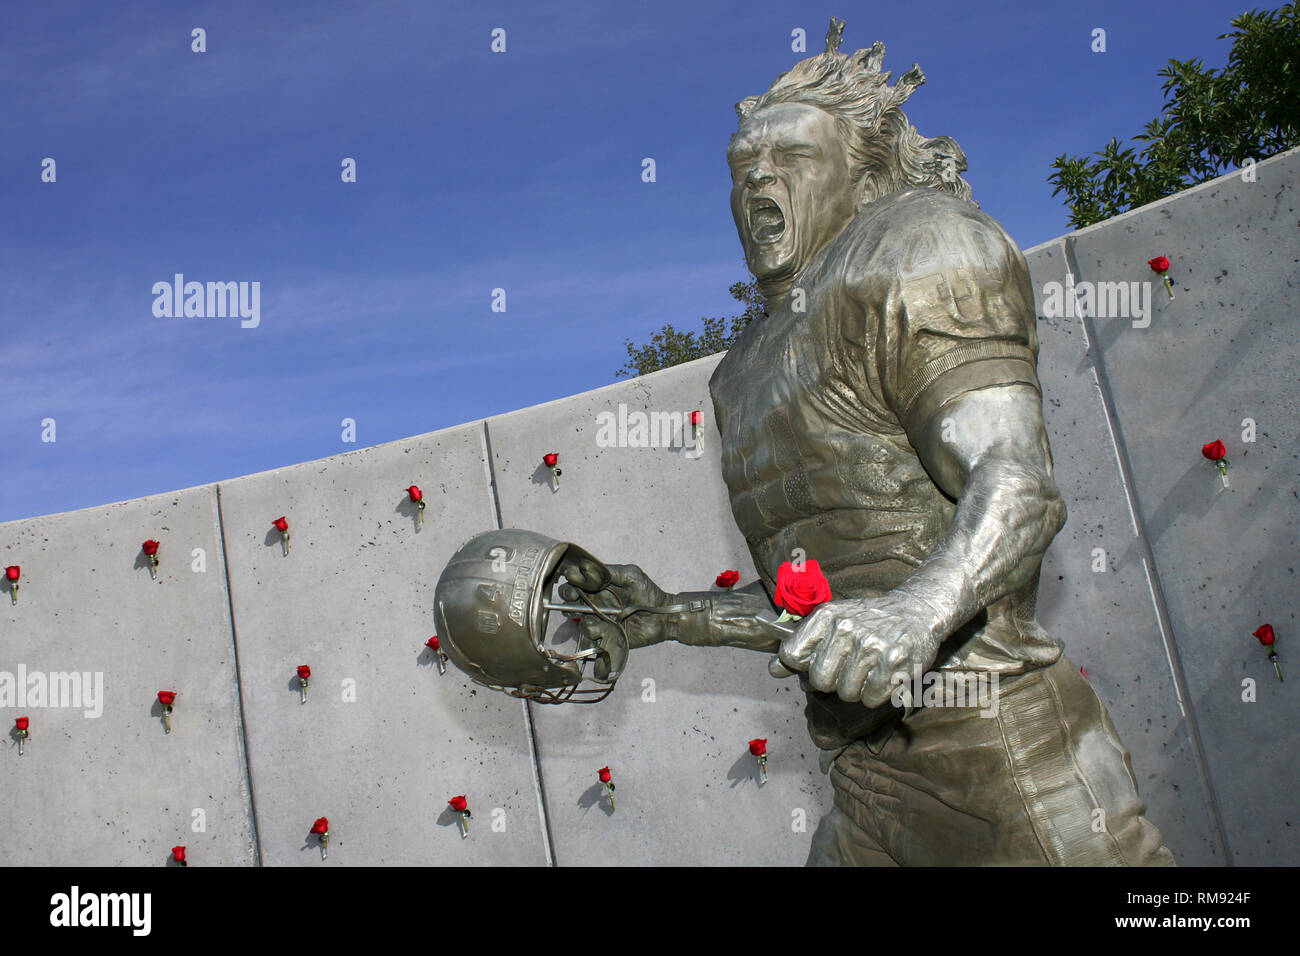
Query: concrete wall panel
[
  {"x": 1223, "y": 350},
  {"x": 115, "y": 790},
  {"x": 1107, "y": 618},
  {"x": 354, "y": 601}
]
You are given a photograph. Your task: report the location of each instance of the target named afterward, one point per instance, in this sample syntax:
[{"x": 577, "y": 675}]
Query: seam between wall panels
[
  {"x": 543, "y": 813},
  {"x": 239, "y": 684},
  {"x": 1151, "y": 569}
]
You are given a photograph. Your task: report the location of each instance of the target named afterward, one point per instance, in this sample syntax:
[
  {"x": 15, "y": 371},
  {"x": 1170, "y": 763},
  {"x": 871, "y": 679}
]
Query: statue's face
[{"x": 791, "y": 187}]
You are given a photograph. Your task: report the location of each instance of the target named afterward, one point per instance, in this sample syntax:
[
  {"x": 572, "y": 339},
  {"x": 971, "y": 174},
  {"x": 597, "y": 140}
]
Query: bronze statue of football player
[{"x": 885, "y": 419}]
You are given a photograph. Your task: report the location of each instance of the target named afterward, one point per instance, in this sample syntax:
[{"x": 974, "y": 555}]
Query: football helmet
[{"x": 492, "y": 605}]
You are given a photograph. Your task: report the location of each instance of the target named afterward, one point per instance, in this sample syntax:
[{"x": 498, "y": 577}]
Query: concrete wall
[
  {"x": 1223, "y": 560},
  {"x": 1163, "y": 632}
]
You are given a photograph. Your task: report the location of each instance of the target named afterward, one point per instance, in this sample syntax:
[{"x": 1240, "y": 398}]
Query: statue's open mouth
[{"x": 766, "y": 220}]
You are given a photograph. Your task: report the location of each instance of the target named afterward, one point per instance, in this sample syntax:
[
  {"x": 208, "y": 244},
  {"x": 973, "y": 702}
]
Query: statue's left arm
[{"x": 962, "y": 379}]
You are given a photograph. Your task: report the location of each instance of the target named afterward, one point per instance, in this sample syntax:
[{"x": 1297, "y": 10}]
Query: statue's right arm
[
  {"x": 738, "y": 618},
  {"x": 741, "y": 617}
]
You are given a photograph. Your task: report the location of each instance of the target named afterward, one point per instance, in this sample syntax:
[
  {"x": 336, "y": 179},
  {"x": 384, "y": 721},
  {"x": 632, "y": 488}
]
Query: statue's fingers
[
  {"x": 831, "y": 656},
  {"x": 585, "y": 572},
  {"x": 777, "y": 669},
  {"x": 595, "y": 632},
  {"x": 855, "y": 674},
  {"x": 878, "y": 687},
  {"x": 797, "y": 650}
]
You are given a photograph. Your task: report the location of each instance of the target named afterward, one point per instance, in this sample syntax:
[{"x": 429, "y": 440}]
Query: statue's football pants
[{"x": 1044, "y": 782}]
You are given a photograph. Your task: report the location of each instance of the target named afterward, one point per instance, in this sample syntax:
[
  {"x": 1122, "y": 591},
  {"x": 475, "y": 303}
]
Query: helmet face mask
[{"x": 492, "y": 621}]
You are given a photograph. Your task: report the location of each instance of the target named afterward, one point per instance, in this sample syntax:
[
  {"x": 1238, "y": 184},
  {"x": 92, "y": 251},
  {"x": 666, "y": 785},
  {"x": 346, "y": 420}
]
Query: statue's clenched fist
[{"x": 854, "y": 648}]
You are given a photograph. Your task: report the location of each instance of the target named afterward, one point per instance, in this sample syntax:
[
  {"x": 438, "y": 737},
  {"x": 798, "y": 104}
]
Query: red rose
[
  {"x": 304, "y": 671},
  {"x": 551, "y": 459},
  {"x": 799, "y": 591},
  {"x": 321, "y": 826},
  {"x": 178, "y": 854},
  {"x": 696, "y": 417},
  {"x": 415, "y": 492},
  {"x": 150, "y": 547},
  {"x": 1159, "y": 264},
  {"x": 758, "y": 747},
  {"x": 281, "y": 523},
  {"x": 727, "y": 578},
  {"x": 166, "y": 697},
  {"x": 603, "y": 772},
  {"x": 1214, "y": 450},
  {"x": 1265, "y": 634},
  {"x": 22, "y": 723},
  {"x": 12, "y": 572},
  {"x": 432, "y": 643},
  {"x": 459, "y": 804}
]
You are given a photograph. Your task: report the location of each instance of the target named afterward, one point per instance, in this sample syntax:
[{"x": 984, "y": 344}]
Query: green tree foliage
[
  {"x": 1212, "y": 122},
  {"x": 669, "y": 347}
]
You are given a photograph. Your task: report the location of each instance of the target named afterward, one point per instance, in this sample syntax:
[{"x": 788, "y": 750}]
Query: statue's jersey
[{"x": 922, "y": 297}]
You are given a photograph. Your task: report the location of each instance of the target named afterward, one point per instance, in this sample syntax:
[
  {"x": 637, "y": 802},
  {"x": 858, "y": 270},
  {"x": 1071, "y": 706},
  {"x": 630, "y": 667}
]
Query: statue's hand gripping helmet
[{"x": 491, "y": 609}]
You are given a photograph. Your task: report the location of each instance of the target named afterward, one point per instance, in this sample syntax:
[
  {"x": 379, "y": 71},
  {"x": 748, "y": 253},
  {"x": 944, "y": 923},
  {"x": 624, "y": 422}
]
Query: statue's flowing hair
[{"x": 886, "y": 153}]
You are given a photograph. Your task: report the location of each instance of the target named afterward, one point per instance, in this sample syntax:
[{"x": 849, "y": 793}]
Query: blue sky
[{"x": 475, "y": 170}]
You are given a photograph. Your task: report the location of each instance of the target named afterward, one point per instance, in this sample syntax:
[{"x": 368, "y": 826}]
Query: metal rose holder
[
  {"x": 439, "y": 654},
  {"x": 282, "y": 525},
  {"x": 462, "y": 815},
  {"x": 166, "y": 699},
  {"x": 414, "y": 493}
]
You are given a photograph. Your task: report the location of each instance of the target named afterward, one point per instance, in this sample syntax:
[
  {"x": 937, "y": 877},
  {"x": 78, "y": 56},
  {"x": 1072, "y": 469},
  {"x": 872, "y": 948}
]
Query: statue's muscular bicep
[{"x": 1002, "y": 422}]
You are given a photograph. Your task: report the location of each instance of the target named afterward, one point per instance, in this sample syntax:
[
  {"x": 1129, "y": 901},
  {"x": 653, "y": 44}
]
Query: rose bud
[
  {"x": 1216, "y": 453},
  {"x": 607, "y": 784},
  {"x": 150, "y": 548},
  {"x": 417, "y": 497},
  {"x": 800, "y": 589},
  {"x": 433, "y": 645},
  {"x": 12, "y": 574},
  {"x": 1266, "y": 637},
  {"x": 727, "y": 579},
  {"x": 178, "y": 854},
  {"x": 552, "y": 461},
  {"x": 304, "y": 675},
  {"x": 167, "y": 698},
  {"x": 282, "y": 525},
  {"x": 1160, "y": 266},
  {"x": 758, "y": 748},
  {"x": 20, "y": 725},
  {"x": 322, "y": 829},
  {"x": 461, "y": 806}
]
